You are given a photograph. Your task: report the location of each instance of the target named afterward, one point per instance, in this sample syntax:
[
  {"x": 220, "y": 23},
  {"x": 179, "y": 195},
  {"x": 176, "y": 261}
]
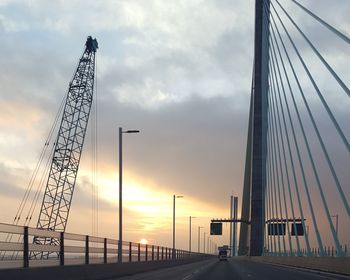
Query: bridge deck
[{"x": 233, "y": 269}]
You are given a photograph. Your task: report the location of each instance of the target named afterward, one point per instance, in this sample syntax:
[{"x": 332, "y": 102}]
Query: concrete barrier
[
  {"x": 327, "y": 264},
  {"x": 91, "y": 271}
]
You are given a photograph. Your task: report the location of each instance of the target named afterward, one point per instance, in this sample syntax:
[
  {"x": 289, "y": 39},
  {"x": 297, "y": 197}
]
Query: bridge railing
[
  {"x": 329, "y": 251},
  {"x": 17, "y": 249}
]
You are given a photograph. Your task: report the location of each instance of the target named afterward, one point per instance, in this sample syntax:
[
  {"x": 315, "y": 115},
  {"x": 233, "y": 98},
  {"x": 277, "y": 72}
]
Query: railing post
[
  {"x": 25, "y": 248},
  {"x": 138, "y": 252},
  {"x": 158, "y": 253},
  {"x": 105, "y": 250},
  {"x": 130, "y": 251},
  {"x": 162, "y": 253},
  {"x": 87, "y": 249},
  {"x": 166, "y": 253},
  {"x": 146, "y": 257},
  {"x": 62, "y": 248},
  {"x": 152, "y": 252}
]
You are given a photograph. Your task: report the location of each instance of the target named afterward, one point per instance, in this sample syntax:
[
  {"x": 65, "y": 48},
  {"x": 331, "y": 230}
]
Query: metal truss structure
[{"x": 68, "y": 148}]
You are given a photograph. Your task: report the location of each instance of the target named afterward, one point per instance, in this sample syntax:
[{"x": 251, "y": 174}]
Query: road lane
[
  {"x": 181, "y": 272},
  {"x": 234, "y": 269},
  {"x": 244, "y": 269}
]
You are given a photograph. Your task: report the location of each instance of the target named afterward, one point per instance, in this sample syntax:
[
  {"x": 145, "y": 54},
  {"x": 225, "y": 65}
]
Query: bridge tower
[{"x": 252, "y": 237}]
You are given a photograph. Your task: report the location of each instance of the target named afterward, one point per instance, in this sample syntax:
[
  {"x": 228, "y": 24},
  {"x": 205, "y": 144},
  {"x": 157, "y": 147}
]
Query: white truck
[{"x": 223, "y": 253}]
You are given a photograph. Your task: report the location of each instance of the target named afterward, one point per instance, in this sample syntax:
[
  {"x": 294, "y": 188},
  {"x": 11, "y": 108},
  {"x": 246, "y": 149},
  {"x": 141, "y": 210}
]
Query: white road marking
[{"x": 192, "y": 274}]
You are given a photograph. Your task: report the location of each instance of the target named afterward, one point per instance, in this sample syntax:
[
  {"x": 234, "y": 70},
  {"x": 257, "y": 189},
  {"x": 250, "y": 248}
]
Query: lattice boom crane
[{"x": 68, "y": 148}]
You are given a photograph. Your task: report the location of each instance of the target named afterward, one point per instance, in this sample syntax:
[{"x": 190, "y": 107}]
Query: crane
[{"x": 68, "y": 147}]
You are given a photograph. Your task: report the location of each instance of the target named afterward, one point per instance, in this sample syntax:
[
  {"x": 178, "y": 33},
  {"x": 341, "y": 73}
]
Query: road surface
[{"x": 235, "y": 269}]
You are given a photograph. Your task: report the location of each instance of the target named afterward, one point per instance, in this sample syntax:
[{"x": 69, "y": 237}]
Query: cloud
[{"x": 178, "y": 71}]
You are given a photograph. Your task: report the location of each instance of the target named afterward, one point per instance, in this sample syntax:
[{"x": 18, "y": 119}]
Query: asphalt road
[{"x": 233, "y": 269}]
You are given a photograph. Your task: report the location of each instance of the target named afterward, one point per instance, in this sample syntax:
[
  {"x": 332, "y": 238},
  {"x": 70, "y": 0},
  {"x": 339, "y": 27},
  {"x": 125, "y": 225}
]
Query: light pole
[
  {"x": 204, "y": 242},
  {"x": 120, "y": 242},
  {"x": 209, "y": 245},
  {"x": 190, "y": 234},
  {"x": 336, "y": 216},
  {"x": 199, "y": 238},
  {"x": 174, "y": 198}
]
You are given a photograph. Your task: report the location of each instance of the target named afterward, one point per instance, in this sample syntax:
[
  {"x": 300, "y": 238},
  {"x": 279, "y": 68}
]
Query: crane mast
[{"x": 60, "y": 185}]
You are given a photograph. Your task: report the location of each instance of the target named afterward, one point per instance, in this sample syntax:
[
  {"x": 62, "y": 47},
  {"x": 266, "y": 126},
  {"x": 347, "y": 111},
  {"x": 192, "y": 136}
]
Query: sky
[{"x": 179, "y": 71}]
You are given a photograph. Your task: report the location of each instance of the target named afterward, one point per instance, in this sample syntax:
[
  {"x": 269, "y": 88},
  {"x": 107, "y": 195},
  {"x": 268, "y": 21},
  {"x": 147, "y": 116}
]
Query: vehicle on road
[{"x": 222, "y": 253}]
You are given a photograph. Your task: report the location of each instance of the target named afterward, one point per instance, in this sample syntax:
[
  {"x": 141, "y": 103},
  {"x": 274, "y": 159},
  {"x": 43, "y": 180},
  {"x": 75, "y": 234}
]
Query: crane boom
[{"x": 68, "y": 148}]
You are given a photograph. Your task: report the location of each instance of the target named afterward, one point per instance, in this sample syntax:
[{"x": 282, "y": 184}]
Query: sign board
[
  {"x": 276, "y": 229},
  {"x": 215, "y": 228},
  {"x": 298, "y": 229}
]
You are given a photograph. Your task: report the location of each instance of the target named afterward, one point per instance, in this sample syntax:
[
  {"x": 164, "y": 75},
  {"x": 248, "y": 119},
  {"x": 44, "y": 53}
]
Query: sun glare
[{"x": 143, "y": 241}]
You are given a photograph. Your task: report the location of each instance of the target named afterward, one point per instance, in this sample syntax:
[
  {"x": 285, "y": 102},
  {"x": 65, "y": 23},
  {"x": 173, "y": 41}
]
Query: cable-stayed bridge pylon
[{"x": 296, "y": 184}]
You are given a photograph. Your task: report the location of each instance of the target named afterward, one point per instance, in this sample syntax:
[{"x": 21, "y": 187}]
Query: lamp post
[
  {"x": 204, "y": 242},
  {"x": 120, "y": 242},
  {"x": 199, "y": 238},
  {"x": 174, "y": 198},
  {"x": 209, "y": 245},
  {"x": 336, "y": 216},
  {"x": 190, "y": 234}
]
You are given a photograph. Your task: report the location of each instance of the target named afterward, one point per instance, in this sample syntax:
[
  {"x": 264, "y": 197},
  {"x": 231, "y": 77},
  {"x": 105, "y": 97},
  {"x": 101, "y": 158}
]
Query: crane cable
[
  {"x": 94, "y": 161},
  {"x": 33, "y": 177}
]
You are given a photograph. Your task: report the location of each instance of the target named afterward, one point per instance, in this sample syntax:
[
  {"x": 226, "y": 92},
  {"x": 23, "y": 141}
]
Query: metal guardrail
[
  {"x": 16, "y": 248},
  {"x": 329, "y": 251}
]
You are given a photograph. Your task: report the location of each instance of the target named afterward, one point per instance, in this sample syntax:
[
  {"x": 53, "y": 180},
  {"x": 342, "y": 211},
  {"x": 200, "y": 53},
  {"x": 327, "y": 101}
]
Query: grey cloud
[
  {"x": 195, "y": 147},
  {"x": 194, "y": 144}
]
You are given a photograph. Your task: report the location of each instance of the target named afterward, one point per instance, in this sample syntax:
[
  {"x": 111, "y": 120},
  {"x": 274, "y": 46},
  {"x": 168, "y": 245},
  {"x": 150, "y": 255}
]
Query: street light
[
  {"x": 199, "y": 238},
  {"x": 174, "y": 198},
  {"x": 336, "y": 216},
  {"x": 120, "y": 242},
  {"x": 204, "y": 242},
  {"x": 190, "y": 237},
  {"x": 209, "y": 245}
]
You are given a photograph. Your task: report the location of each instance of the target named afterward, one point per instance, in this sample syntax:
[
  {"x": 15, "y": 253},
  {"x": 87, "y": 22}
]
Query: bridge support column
[{"x": 259, "y": 128}]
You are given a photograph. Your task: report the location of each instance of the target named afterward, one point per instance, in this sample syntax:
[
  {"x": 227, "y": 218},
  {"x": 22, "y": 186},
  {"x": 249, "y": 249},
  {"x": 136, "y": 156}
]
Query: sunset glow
[{"x": 143, "y": 241}]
